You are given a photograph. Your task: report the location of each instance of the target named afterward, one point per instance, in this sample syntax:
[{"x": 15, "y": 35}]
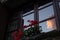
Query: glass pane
[
  {"x": 29, "y": 17},
  {"x": 45, "y": 5},
  {"x": 46, "y": 13},
  {"x": 48, "y": 25}
]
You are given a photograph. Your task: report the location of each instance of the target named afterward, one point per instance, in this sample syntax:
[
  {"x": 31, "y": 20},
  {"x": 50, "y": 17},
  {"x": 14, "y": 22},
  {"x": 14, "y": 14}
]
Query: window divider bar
[{"x": 46, "y": 19}]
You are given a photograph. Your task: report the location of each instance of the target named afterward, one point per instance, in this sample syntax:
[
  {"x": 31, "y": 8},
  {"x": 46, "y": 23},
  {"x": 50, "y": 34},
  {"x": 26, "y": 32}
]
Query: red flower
[
  {"x": 24, "y": 26},
  {"x": 35, "y": 22},
  {"x": 31, "y": 21},
  {"x": 28, "y": 21},
  {"x": 30, "y": 24},
  {"x": 17, "y": 36}
]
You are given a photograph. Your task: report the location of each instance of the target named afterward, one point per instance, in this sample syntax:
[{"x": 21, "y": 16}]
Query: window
[
  {"x": 29, "y": 17},
  {"x": 29, "y": 12},
  {"x": 46, "y": 13},
  {"x": 59, "y": 4},
  {"x": 48, "y": 25}
]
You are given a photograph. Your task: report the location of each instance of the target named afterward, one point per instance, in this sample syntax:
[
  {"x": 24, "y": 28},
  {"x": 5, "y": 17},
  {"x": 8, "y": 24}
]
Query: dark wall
[{"x": 3, "y": 20}]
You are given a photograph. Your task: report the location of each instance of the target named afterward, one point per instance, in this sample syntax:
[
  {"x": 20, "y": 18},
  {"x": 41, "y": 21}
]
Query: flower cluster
[
  {"x": 18, "y": 36},
  {"x": 32, "y": 22}
]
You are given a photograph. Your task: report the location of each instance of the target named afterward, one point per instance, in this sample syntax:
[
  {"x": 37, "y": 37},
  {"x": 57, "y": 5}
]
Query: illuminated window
[
  {"x": 48, "y": 25},
  {"x": 51, "y": 24}
]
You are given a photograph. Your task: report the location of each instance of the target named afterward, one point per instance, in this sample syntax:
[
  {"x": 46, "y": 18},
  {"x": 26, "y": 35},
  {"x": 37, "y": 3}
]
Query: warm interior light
[{"x": 50, "y": 24}]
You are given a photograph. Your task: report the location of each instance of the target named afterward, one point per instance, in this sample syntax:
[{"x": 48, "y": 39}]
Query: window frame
[{"x": 33, "y": 12}]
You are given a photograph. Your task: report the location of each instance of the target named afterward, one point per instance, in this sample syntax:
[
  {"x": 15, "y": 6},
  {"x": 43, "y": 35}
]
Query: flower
[
  {"x": 32, "y": 22},
  {"x": 24, "y": 26},
  {"x": 17, "y": 36},
  {"x": 35, "y": 22},
  {"x": 28, "y": 21}
]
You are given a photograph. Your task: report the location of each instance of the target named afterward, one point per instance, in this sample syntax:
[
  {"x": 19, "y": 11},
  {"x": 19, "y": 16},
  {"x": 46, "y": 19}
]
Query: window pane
[
  {"x": 29, "y": 17},
  {"x": 48, "y": 25},
  {"x": 46, "y": 13},
  {"x": 28, "y": 12}
]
